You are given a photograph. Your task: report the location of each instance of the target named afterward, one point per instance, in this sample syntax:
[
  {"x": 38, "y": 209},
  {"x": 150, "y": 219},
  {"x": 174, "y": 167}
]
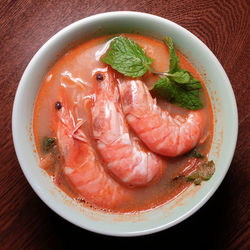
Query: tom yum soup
[{"x": 124, "y": 123}]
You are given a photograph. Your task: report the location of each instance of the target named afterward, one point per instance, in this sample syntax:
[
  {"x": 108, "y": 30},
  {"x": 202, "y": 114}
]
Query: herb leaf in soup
[
  {"x": 48, "y": 143},
  {"x": 204, "y": 172},
  {"x": 176, "y": 94},
  {"x": 207, "y": 170},
  {"x": 174, "y": 59},
  {"x": 127, "y": 57},
  {"x": 178, "y": 85},
  {"x": 196, "y": 154},
  {"x": 166, "y": 89},
  {"x": 184, "y": 77}
]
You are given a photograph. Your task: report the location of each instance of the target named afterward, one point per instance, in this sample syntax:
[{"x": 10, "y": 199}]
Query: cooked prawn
[
  {"x": 80, "y": 165},
  {"x": 163, "y": 133},
  {"x": 125, "y": 156}
]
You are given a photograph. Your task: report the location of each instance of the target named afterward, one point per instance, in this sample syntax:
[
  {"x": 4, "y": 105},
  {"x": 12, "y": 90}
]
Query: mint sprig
[
  {"x": 127, "y": 57},
  {"x": 174, "y": 59},
  {"x": 185, "y": 96},
  {"x": 176, "y": 85}
]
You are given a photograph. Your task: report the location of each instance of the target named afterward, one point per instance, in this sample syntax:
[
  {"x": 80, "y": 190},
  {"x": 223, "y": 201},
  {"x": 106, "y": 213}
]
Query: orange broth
[{"x": 78, "y": 66}]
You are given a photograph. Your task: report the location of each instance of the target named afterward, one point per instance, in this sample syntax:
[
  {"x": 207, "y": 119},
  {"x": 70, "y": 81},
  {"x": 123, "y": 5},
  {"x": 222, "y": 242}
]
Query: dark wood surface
[{"x": 26, "y": 222}]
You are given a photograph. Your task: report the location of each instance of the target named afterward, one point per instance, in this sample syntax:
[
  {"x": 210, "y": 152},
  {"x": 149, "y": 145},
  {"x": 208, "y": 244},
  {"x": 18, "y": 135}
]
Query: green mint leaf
[
  {"x": 177, "y": 74},
  {"x": 184, "y": 77},
  {"x": 178, "y": 85},
  {"x": 186, "y": 98},
  {"x": 180, "y": 77},
  {"x": 166, "y": 89},
  {"x": 191, "y": 86},
  {"x": 127, "y": 57},
  {"x": 174, "y": 59}
]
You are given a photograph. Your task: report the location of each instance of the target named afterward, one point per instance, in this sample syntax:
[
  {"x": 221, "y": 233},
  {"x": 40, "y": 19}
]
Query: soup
[{"x": 112, "y": 141}]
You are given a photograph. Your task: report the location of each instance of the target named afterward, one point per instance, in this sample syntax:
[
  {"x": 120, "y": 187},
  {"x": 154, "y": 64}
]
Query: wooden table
[{"x": 26, "y": 222}]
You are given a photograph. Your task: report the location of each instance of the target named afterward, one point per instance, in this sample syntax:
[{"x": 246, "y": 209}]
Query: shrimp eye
[
  {"x": 99, "y": 77},
  {"x": 58, "y": 105}
]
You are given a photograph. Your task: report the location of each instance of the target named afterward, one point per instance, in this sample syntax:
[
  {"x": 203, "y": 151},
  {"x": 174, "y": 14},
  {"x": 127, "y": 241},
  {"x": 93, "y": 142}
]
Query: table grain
[{"x": 26, "y": 222}]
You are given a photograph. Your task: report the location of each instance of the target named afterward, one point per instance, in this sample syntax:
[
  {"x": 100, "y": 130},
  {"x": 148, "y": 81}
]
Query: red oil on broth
[{"x": 74, "y": 74}]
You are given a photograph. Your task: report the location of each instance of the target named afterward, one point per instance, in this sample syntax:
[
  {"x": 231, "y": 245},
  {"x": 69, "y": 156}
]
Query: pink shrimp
[
  {"x": 125, "y": 156},
  {"x": 80, "y": 165},
  {"x": 163, "y": 133}
]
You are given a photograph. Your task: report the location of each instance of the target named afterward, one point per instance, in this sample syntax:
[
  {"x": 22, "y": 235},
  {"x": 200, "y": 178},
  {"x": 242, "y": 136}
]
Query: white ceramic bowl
[{"x": 225, "y": 123}]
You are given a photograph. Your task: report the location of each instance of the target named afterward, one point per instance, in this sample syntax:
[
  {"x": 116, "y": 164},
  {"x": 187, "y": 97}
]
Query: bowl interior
[{"x": 223, "y": 104}]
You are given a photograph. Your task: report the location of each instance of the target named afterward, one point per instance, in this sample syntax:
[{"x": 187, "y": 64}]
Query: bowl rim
[{"x": 18, "y": 148}]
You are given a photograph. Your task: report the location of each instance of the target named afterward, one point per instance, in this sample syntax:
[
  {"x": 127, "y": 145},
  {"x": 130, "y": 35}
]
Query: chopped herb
[
  {"x": 193, "y": 176},
  {"x": 127, "y": 57},
  {"x": 196, "y": 154},
  {"x": 204, "y": 172},
  {"x": 197, "y": 181},
  {"x": 48, "y": 143}
]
